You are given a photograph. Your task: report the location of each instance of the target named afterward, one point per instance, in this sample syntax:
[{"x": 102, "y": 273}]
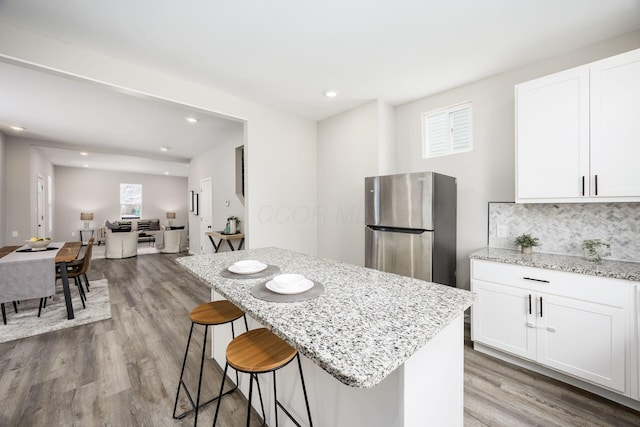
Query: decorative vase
[
  {"x": 527, "y": 250},
  {"x": 233, "y": 225}
]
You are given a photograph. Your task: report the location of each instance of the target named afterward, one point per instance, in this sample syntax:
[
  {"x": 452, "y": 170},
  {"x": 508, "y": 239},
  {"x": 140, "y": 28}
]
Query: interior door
[
  {"x": 41, "y": 231},
  {"x": 206, "y": 215}
]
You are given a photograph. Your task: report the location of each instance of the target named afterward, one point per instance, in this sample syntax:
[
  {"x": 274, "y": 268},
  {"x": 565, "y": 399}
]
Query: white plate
[
  {"x": 303, "y": 286},
  {"x": 247, "y": 270}
]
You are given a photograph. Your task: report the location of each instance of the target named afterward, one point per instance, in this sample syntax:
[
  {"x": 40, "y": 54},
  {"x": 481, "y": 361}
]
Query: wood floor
[{"x": 124, "y": 371}]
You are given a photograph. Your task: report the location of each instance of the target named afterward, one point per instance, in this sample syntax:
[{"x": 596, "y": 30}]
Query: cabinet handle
[
  {"x": 596, "y": 184},
  {"x": 540, "y": 306},
  {"x": 529, "y": 303},
  {"x": 536, "y": 280},
  {"x": 583, "y": 185}
]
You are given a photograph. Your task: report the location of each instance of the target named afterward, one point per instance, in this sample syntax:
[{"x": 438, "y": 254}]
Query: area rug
[{"x": 26, "y": 322}]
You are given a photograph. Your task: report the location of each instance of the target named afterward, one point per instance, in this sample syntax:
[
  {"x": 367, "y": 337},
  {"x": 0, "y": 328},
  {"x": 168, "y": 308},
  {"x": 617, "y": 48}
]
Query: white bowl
[
  {"x": 37, "y": 244},
  {"x": 288, "y": 281},
  {"x": 301, "y": 286},
  {"x": 248, "y": 266}
]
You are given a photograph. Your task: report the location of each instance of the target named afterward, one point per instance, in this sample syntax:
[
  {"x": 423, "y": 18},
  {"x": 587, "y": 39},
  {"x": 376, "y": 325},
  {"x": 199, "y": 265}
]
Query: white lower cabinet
[{"x": 579, "y": 325}]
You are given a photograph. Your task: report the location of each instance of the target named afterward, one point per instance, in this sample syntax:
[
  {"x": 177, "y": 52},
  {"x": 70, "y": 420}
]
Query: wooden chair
[{"x": 76, "y": 270}]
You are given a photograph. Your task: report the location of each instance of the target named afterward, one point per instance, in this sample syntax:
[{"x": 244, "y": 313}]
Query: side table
[
  {"x": 228, "y": 237},
  {"x": 86, "y": 231}
]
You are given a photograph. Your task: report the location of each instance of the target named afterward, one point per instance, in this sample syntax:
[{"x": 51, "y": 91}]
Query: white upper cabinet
[
  {"x": 615, "y": 125},
  {"x": 578, "y": 132}
]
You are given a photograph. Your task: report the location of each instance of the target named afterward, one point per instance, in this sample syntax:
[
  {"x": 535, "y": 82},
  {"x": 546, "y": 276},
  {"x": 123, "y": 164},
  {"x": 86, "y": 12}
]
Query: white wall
[
  {"x": 18, "y": 191},
  {"x": 86, "y": 190},
  {"x": 219, "y": 165},
  {"x": 349, "y": 149},
  {"x": 3, "y": 196},
  {"x": 487, "y": 173},
  {"x": 273, "y": 138}
]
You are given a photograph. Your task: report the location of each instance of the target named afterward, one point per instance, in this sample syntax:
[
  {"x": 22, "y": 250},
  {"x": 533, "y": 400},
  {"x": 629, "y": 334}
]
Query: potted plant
[
  {"x": 233, "y": 225},
  {"x": 595, "y": 249},
  {"x": 526, "y": 242}
]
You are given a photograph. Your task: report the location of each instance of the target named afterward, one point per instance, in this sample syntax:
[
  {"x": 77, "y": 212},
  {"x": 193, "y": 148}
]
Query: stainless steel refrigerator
[{"x": 410, "y": 225}]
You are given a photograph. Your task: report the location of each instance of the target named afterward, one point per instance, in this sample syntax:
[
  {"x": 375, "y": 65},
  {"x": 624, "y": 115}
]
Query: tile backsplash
[{"x": 561, "y": 228}]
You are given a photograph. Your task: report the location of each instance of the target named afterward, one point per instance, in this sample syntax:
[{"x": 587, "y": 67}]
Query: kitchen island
[{"x": 392, "y": 345}]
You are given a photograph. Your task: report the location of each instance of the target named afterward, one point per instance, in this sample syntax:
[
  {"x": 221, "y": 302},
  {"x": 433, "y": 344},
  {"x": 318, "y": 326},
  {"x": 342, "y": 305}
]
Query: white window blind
[{"x": 447, "y": 131}]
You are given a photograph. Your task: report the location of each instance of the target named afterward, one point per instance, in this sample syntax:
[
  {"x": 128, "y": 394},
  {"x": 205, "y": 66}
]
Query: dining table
[{"x": 26, "y": 274}]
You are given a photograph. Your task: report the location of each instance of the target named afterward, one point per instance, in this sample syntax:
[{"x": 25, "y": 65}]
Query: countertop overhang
[
  {"x": 606, "y": 268},
  {"x": 365, "y": 325}
]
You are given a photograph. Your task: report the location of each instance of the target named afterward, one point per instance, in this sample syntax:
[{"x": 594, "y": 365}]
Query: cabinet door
[
  {"x": 583, "y": 339},
  {"x": 615, "y": 126},
  {"x": 501, "y": 319},
  {"x": 552, "y": 136}
]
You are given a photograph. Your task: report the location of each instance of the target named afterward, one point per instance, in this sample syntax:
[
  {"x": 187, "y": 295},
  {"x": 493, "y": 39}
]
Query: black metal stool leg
[
  {"x": 15, "y": 306},
  {"x": 4, "y": 314},
  {"x": 249, "y": 404},
  {"x": 86, "y": 281},
  {"x": 264, "y": 416},
  {"x": 224, "y": 375},
  {"x": 204, "y": 348},
  {"x": 42, "y": 300},
  {"x": 304, "y": 390},
  {"x": 181, "y": 382}
]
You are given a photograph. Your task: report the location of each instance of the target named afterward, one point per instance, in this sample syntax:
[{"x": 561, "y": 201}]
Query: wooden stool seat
[
  {"x": 215, "y": 313},
  {"x": 259, "y": 350}
]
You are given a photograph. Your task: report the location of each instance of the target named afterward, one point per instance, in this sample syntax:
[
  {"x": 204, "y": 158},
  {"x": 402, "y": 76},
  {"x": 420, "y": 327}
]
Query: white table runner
[{"x": 26, "y": 275}]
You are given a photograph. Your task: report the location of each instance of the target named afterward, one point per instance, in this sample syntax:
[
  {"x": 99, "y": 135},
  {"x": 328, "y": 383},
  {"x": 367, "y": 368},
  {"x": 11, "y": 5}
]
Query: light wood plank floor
[{"x": 124, "y": 371}]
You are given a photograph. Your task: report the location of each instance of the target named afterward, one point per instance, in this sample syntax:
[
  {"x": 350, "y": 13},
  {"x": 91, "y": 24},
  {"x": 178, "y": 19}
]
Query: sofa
[{"x": 121, "y": 237}]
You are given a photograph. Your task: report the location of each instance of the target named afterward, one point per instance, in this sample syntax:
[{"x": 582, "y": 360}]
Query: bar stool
[
  {"x": 207, "y": 314},
  {"x": 256, "y": 352}
]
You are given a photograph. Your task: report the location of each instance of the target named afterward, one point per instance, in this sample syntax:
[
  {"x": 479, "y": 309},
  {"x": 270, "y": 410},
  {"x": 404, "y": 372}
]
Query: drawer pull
[
  {"x": 529, "y": 303},
  {"x": 536, "y": 280}
]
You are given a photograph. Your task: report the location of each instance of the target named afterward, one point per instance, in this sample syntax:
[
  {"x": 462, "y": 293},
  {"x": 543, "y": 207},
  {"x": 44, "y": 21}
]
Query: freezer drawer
[{"x": 406, "y": 252}]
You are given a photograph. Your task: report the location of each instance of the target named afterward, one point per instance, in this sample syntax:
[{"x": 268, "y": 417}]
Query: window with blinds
[{"x": 447, "y": 131}]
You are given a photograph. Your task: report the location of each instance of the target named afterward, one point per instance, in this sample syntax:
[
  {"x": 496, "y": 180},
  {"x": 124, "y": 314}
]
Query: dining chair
[{"x": 76, "y": 270}]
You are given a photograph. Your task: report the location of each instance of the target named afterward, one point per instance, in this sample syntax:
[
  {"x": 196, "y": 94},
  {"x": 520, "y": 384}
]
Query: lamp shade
[
  {"x": 171, "y": 215},
  {"x": 86, "y": 216}
]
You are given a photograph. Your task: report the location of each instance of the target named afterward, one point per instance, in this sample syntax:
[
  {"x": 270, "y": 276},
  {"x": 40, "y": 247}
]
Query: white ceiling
[{"x": 285, "y": 54}]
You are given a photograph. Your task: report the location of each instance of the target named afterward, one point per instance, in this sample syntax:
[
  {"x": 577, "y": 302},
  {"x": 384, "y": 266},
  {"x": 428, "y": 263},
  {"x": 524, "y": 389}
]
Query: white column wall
[
  {"x": 348, "y": 151},
  {"x": 3, "y": 196}
]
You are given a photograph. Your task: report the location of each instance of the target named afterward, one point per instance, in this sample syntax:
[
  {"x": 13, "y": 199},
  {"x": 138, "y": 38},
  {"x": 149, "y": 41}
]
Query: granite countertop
[
  {"x": 365, "y": 325},
  {"x": 572, "y": 264}
]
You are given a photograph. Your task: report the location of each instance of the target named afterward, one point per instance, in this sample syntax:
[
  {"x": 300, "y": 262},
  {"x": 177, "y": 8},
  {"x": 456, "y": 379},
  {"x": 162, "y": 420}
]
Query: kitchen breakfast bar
[{"x": 378, "y": 349}]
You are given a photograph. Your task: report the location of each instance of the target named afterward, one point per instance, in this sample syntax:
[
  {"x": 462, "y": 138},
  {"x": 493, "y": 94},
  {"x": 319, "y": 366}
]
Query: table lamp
[
  {"x": 170, "y": 217},
  {"x": 86, "y": 217}
]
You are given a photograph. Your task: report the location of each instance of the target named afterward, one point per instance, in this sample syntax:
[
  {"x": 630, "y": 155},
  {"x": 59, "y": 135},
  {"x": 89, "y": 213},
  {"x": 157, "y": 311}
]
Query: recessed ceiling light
[
  {"x": 164, "y": 148},
  {"x": 330, "y": 93},
  {"x": 191, "y": 119},
  {"x": 84, "y": 153},
  {"x": 166, "y": 173},
  {"x": 17, "y": 128},
  {"x": 85, "y": 166}
]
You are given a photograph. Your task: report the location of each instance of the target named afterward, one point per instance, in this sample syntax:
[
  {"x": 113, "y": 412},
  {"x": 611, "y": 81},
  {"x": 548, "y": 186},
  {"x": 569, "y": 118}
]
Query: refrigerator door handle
[{"x": 397, "y": 229}]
